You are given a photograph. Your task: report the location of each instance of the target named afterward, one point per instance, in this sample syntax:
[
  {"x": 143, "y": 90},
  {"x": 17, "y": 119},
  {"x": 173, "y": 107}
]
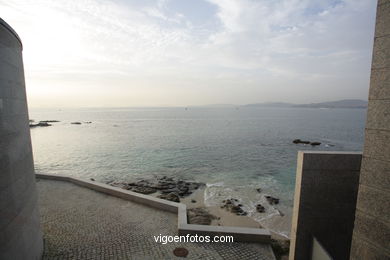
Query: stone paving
[{"x": 79, "y": 223}]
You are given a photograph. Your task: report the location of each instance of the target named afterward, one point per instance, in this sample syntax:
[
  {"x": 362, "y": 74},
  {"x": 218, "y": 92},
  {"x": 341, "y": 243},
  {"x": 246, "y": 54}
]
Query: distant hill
[
  {"x": 218, "y": 106},
  {"x": 270, "y": 104},
  {"x": 345, "y": 103}
]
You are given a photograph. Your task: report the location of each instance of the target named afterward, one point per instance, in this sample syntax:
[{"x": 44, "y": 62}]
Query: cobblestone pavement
[{"x": 79, "y": 223}]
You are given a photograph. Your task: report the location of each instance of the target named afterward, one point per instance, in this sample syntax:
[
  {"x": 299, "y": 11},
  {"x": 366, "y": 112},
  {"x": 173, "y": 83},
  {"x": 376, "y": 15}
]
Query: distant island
[{"x": 345, "y": 103}]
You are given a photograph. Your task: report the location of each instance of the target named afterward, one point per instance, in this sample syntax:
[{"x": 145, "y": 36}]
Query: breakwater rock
[
  {"x": 169, "y": 188},
  {"x": 299, "y": 141},
  {"x": 233, "y": 206}
]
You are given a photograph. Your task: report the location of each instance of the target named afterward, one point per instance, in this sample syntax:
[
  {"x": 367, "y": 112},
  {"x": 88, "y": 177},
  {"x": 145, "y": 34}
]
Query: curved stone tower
[{"x": 20, "y": 231}]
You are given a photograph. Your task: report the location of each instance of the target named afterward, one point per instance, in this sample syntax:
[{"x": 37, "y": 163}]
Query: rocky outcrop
[
  {"x": 170, "y": 196},
  {"x": 40, "y": 124},
  {"x": 169, "y": 188},
  {"x": 260, "y": 208},
  {"x": 143, "y": 190},
  {"x": 299, "y": 141},
  {"x": 199, "y": 216},
  {"x": 50, "y": 121},
  {"x": 271, "y": 200},
  {"x": 233, "y": 206}
]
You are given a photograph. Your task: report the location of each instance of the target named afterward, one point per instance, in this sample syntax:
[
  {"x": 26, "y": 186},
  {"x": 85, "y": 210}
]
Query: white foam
[{"x": 217, "y": 184}]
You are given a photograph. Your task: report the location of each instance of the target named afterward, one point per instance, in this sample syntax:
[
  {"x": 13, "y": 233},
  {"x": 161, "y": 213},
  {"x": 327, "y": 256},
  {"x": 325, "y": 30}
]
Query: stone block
[
  {"x": 381, "y": 53},
  {"x": 380, "y": 84},
  {"x": 377, "y": 145},
  {"x": 375, "y": 173},
  {"x": 371, "y": 229},
  {"x": 374, "y": 202},
  {"x": 382, "y": 26},
  {"x": 378, "y": 115},
  {"x": 381, "y": 2},
  {"x": 360, "y": 249}
]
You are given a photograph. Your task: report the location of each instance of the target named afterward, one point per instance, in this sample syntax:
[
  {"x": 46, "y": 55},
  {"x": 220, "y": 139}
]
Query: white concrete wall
[{"x": 20, "y": 232}]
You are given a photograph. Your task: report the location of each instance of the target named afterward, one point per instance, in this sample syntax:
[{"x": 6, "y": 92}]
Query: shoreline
[
  {"x": 226, "y": 218},
  {"x": 228, "y": 212}
]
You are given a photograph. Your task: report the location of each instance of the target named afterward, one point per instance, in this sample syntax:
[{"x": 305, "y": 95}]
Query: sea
[{"x": 234, "y": 150}]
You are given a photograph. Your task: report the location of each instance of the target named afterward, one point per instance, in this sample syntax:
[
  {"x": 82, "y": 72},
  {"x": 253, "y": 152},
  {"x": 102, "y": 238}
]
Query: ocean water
[{"x": 232, "y": 150}]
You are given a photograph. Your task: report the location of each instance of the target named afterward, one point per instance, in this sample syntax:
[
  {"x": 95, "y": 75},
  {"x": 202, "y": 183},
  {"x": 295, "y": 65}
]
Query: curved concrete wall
[{"x": 20, "y": 232}]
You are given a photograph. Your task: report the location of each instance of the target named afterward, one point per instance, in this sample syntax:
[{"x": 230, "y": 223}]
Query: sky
[{"x": 128, "y": 53}]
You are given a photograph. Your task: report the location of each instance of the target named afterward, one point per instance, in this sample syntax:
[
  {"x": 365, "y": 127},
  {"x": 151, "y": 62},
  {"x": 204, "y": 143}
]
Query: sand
[{"x": 224, "y": 217}]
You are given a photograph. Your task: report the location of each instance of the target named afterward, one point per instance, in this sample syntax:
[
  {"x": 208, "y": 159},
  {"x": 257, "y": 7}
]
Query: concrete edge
[
  {"x": 239, "y": 233},
  {"x": 330, "y": 152}
]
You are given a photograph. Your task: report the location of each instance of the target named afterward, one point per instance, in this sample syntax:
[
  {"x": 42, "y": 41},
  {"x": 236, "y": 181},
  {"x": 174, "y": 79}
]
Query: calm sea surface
[{"x": 233, "y": 150}]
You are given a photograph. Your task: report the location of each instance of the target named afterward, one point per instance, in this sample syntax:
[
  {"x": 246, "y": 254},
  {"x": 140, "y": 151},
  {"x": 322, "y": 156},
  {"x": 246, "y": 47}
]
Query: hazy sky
[{"x": 192, "y": 52}]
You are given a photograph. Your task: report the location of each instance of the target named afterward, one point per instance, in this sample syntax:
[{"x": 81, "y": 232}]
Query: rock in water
[
  {"x": 271, "y": 200},
  {"x": 50, "y": 121},
  {"x": 42, "y": 124},
  {"x": 233, "y": 206},
  {"x": 299, "y": 141},
  {"x": 260, "y": 208}
]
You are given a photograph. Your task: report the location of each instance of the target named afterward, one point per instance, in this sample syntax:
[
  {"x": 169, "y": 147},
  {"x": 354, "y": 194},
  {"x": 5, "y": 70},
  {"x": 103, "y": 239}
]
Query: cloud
[{"x": 256, "y": 48}]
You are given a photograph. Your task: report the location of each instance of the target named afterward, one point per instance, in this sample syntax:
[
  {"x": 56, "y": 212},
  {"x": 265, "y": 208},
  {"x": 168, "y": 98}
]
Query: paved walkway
[{"x": 79, "y": 223}]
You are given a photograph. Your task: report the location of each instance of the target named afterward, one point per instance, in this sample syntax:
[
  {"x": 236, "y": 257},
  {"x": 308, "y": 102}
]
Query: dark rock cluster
[
  {"x": 49, "y": 121},
  {"x": 299, "y": 141},
  {"x": 170, "y": 196},
  {"x": 169, "y": 188},
  {"x": 233, "y": 206},
  {"x": 40, "y": 124},
  {"x": 260, "y": 208},
  {"x": 271, "y": 200}
]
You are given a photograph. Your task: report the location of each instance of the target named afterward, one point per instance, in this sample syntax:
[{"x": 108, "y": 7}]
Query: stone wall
[
  {"x": 20, "y": 233},
  {"x": 371, "y": 235},
  {"x": 324, "y": 203}
]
